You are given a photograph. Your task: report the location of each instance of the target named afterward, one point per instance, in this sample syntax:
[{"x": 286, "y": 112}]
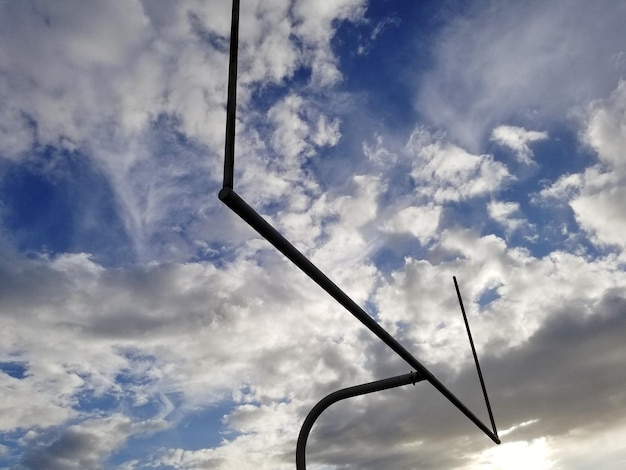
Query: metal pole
[
  {"x": 231, "y": 100},
  {"x": 249, "y": 215},
  {"x": 480, "y": 374},
  {"x": 342, "y": 394}
]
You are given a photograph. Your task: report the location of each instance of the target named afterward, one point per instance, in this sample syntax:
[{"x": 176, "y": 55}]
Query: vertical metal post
[{"x": 231, "y": 100}]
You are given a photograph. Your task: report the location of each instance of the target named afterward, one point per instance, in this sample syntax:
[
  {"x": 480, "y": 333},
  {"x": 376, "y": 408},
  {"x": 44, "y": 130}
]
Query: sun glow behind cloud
[
  {"x": 396, "y": 144},
  {"x": 517, "y": 455}
]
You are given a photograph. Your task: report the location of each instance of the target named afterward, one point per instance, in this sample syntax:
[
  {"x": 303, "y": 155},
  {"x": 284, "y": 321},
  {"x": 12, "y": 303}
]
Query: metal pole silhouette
[
  {"x": 243, "y": 210},
  {"x": 480, "y": 374},
  {"x": 231, "y": 101},
  {"x": 229, "y": 197},
  {"x": 357, "y": 390}
]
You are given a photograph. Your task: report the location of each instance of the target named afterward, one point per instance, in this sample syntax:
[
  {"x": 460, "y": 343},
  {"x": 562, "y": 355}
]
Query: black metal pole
[
  {"x": 229, "y": 197},
  {"x": 249, "y": 215},
  {"x": 480, "y": 374},
  {"x": 342, "y": 394},
  {"x": 231, "y": 100}
]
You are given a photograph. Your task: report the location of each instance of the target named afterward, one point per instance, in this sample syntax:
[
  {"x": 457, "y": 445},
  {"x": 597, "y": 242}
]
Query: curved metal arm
[{"x": 342, "y": 394}]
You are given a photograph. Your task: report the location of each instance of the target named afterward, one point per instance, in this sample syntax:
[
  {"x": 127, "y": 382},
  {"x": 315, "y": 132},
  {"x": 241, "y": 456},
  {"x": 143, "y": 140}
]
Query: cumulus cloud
[
  {"x": 517, "y": 139},
  {"x": 130, "y": 345},
  {"x": 117, "y": 99},
  {"x": 605, "y": 128},
  {"x": 504, "y": 214},
  {"x": 595, "y": 195},
  {"x": 146, "y": 106},
  {"x": 533, "y": 340},
  {"x": 598, "y": 207},
  {"x": 420, "y": 222},
  {"x": 444, "y": 172},
  {"x": 205, "y": 315},
  {"x": 292, "y": 129}
]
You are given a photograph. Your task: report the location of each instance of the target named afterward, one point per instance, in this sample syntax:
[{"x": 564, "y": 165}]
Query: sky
[{"x": 143, "y": 325}]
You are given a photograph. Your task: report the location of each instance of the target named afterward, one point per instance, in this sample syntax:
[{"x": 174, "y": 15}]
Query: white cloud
[
  {"x": 596, "y": 449},
  {"x": 596, "y": 195},
  {"x": 291, "y": 130},
  {"x": 493, "y": 64},
  {"x": 605, "y": 132},
  {"x": 563, "y": 188},
  {"x": 599, "y": 205},
  {"x": 328, "y": 132},
  {"x": 517, "y": 139},
  {"x": 315, "y": 27},
  {"x": 482, "y": 263},
  {"x": 171, "y": 330},
  {"x": 420, "y": 222},
  {"x": 602, "y": 214},
  {"x": 298, "y": 130},
  {"x": 378, "y": 154},
  {"x": 74, "y": 86},
  {"x": 36, "y": 400},
  {"x": 444, "y": 172},
  {"x": 15, "y": 133},
  {"x": 252, "y": 333},
  {"x": 504, "y": 213},
  {"x": 349, "y": 239}
]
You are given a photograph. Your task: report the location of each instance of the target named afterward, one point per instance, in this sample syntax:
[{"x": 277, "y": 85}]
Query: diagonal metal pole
[
  {"x": 229, "y": 197},
  {"x": 357, "y": 390},
  {"x": 248, "y": 214},
  {"x": 480, "y": 374}
]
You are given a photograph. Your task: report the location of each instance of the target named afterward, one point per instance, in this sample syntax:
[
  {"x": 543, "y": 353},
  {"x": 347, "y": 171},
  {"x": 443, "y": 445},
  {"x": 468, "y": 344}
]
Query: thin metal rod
[
  {"x": 231, "y": 100},
  {"x": 324, "y": 403},
  {"x": 229, "y": 197},
  {"x": 480, "y": 374}
]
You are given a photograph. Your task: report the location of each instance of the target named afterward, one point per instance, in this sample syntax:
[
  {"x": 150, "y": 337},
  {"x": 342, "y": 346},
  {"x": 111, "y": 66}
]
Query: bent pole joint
[{"x": 238, "y": 205}]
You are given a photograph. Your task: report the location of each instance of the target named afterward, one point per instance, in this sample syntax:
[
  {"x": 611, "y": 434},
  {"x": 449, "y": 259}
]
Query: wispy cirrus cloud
[{"x": 525, "y": 62}]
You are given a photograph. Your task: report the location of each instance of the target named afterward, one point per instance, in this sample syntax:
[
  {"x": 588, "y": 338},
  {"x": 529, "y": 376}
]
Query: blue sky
[{"x": 397, "y": 144}]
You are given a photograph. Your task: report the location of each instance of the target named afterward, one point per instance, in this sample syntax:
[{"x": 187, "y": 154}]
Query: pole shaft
[
  {"x": 252, "y": 218},
  {"x": 231, "y": 100},
  {"x": 480, "y": 374}
]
